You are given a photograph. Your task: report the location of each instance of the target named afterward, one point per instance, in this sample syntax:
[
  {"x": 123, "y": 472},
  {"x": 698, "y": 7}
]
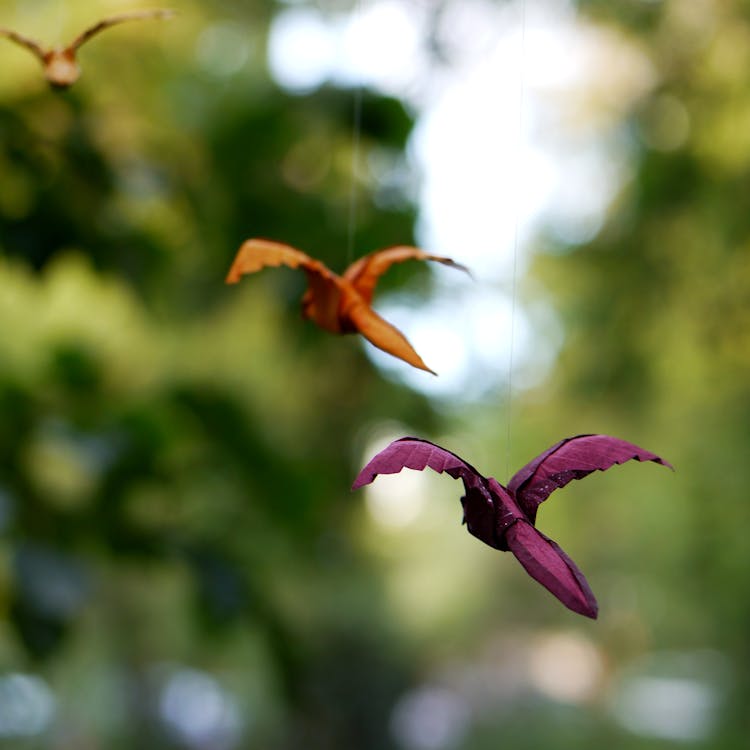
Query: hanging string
[
  {"x": 355, "y": 152},
  {"x": 356, "y": 130},
  {"x": 516, "y": 223}
]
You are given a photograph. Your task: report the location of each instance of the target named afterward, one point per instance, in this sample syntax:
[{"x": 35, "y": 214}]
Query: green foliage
[
  {"x": 172, "y": 477},
  {"x": 655, "y": 308},
  {"x": 176, "y": 454}
]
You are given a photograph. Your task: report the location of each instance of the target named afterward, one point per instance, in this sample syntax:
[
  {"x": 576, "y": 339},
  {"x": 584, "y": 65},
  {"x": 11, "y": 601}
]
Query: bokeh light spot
[{"x": 27, "y": 705}]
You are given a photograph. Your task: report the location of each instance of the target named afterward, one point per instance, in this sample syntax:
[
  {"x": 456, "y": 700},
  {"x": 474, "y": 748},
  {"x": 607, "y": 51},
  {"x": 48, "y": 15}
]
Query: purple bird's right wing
[
  {"x": 547, "y": 564},
  {"x": 480, "y": 514},
  {"x": 415, "y": 453},
  {"x": 572, "y": 458}
]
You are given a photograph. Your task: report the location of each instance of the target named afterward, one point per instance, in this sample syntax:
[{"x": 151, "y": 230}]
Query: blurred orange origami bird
[
  {"x": 340, "y": 304},
  {"x": 61, "y": 68}
]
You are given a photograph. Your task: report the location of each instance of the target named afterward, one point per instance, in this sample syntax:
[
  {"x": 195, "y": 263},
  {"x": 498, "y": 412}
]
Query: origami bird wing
[
  {"x": 547, "y": 564},
  {"x": 320, "y": 302},
  {"x": 362, "y": 318},
  {"x": 105, "y": 23},
  {"x": 479, "y": 502},
  {"x": 24, "y": 41},
  {"x": 256, "y": 254},
  {"x": 415, "y": 453},
  {"x": 572, "y": 458},
  {"x": 364, "y": 273}
]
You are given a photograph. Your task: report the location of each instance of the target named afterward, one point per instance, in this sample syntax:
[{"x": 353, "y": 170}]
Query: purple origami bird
[{"x": 503, "y": 517}]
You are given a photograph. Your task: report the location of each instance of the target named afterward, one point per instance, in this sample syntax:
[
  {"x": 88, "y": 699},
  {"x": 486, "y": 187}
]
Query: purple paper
[
  {"x": 572, "y": 458},
  {"x": 504, "y": 517}
]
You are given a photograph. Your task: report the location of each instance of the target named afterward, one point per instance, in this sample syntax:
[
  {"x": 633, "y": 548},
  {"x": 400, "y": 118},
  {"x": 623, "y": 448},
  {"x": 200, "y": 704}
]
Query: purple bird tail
[{"x": 546, "y": 563}]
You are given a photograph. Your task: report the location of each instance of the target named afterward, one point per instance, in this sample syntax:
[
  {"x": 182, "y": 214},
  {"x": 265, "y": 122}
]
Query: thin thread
[
  {"x": 351, "y": 229},
  {"x": 356, "y": 131},
  {"x": 521, "y": 98}
]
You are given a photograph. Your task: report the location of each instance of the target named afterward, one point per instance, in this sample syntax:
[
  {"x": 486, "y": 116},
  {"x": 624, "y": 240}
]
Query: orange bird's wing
[
  {"x": 364, "y": 273},
  {"x": 105, "y": 23},
  {"x": 24, "y": 41},
  {"x": 379, "y": 332},
  {"x": 256, "y": 254},
  {"x": 321, "y": 300}
]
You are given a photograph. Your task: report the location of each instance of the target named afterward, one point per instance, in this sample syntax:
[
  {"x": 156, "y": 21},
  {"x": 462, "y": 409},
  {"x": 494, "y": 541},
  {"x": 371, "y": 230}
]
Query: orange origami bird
[
  {"x": 60, "y": 66},
  {"x": 340, "y": 304}
]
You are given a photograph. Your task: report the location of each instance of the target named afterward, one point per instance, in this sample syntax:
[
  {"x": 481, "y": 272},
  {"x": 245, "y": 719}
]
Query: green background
[{"x": 176, "y": 454}]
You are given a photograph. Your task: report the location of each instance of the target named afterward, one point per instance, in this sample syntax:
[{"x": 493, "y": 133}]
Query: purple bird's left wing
[
  {"x": 572, "y": 458},
  {"x": 415, "y": 453},
  {"x": 547, "y": 564}
]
